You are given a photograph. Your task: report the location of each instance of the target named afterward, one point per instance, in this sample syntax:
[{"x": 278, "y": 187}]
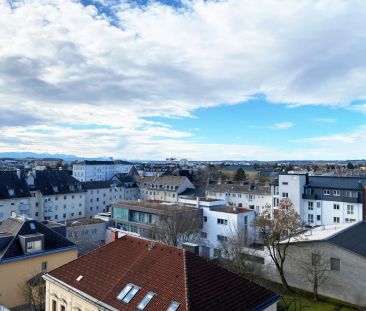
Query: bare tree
[
  {"x": 315, "y": 268},
  {"x": 177, "y": 226},
  {"x": 237, "y": 255},
  {"x": 34, "y": 292},
  {"x": 277, "y": 233}
]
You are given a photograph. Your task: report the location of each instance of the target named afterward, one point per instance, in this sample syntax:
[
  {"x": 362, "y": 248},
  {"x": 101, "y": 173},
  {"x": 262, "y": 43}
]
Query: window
[
  {"x": 335, "y": 264},
  {"x": 204, "y": 235},
  {"x": 34, "y": 246},
  {"x": 318, "y": 204},
  {"x": 310, "y": 206},
  {"x": 309, "y": 191},
  {"x": 351, "y": 194},
  {"x": 44, "y": 266},
  {"x": 310, "y": 218},
  {"x": 318, "y": 217},
  {"x": 284, "y": 183},
  {"x": 349, "y": 209},
  {"x": 336, "y": 220},
  {"x": 173, "y": 306},
  {"x": 205, "y": 218},
  {"x": 63, "y": 308},
  {"x": 221, "y": 221},
  {"x": 336, "y": 206},
  {"x": 326, "y": 192},
  {"x": 285, "y": 194},
  {"x": 217, "y": 252},
  {"x": 32, "y": 226},
  {"x": 54, "y": 305},
  {"x": 315, "y": 259},
  {"x": 128, "y": 293},
  {"x": 336, "y": 193},
  {"x": 221, "y": 238},
  {"x": 145, "y": 301},
  {"x": 64, "y": 215}
]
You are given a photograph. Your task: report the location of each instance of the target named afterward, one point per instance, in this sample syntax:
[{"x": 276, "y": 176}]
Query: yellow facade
[
  {"x": 65, "y": 300},
  {"x": 13, "y": 275}
]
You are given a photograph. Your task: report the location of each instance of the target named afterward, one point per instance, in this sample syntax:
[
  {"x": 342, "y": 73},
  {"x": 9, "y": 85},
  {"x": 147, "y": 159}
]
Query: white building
[
  {"x": 257, "y": 198},
  {"x": 163, "y": 188},
  {"x": 324, "y": 200},
  {"x": 99, "y": 170},
  {"x": 101, "y": 194}
]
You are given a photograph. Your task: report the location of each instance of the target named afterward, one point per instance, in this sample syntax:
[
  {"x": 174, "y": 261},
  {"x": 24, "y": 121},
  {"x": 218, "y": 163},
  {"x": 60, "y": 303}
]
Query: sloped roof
[
  {"x": 9, "y": 180},
  {"x": 96, "y": 184},
  {"x": 352, "y": 239},
  {"x": 335, "y": 182},
  {"x": 46, "y": 180},
  {"x": 172, "y": 274},
  {"x": 163, "y": 180},
  {"x": 19, "y": 226}
]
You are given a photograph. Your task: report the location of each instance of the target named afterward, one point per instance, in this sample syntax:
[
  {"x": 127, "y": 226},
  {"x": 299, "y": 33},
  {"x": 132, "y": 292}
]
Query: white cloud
[
  {"x": 62, "y": 64},
  {"x": 282, "y": 126},
  {"x": 325, "y": 120}
]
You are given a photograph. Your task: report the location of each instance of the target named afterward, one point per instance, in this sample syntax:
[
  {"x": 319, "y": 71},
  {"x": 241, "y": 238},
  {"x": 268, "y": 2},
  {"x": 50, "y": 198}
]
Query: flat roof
[
  {"x": 153, "y": 204},
  {"x": 230, "y": 209}
]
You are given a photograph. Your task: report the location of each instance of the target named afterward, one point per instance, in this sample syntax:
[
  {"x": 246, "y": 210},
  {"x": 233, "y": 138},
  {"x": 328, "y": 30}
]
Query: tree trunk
[{"x": 284, "y": 281}]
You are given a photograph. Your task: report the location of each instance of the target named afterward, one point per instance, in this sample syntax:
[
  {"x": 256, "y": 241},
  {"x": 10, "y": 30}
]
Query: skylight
[
  {"x": 32, "y": 226},
  {"x": 173, "y": 306},
  {"x": 79, "y": 278},
  {"x": 131, "y": 294},
  {"x": 128, "y": 293},
  {"x": 145, "y": 301}
]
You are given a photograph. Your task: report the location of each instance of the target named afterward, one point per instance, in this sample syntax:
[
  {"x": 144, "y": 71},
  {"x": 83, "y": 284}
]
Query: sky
[{"x": 202, "y": 80}]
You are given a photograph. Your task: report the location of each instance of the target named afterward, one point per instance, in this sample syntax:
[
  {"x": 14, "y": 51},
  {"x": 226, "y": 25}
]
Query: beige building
[
  {"x": 145, "y": 275},
  {"x": 28, "y": 249}
]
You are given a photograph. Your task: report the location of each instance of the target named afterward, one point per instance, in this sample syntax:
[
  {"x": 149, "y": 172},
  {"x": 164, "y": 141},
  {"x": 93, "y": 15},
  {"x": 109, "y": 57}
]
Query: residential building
[
  {"x": 28, "y": 248},
  {"x": 341, "y": 251},
  {"x": 163, "y": 188},
  {"x": 57, "y": 195},
  {"x": 99, "y": 170},
  {"x": 15, "y": 198},
  {"x": 254, "y": 197},
  {"x": 101, "y": 194},
  {"x": 145, "y": 275},
  {"x": 324, "y": 200},
  {"x": 144, "y": 217}
]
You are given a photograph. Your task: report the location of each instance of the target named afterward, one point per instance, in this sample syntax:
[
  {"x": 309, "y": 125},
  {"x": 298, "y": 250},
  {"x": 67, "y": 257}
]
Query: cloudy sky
[{"x": 235, "y": 79}]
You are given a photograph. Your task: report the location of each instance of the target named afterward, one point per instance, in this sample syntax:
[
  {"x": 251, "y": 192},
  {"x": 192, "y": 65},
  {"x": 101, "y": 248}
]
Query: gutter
[
  {"x": 25, "y": 257},
  {"x": 99, "y": 304},
  {"x": 275, "y": 298}
]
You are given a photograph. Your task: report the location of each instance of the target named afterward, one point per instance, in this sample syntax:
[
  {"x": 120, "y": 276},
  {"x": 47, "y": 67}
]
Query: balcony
[
  {"x": 48, "y": 205},
  {"x": 24, "y": 207},
  {"x": 48, "y": 213},
  {"x": 312, "y": 196}
]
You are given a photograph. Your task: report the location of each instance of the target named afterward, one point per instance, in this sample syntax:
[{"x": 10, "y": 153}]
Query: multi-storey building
[
  {"x": 101, "y": 194},
  {"x": 145, "y": 217},
  {"x": 133, "y": 273},
  {"x": 163, "y": 188},
  {"x": 99, "y": 170},
  {"x": 323, "y": 200},
  {"x": 27, "y": 249},
  {"x": 15, "y": 198},
  {"x": 256, "y": 198}
]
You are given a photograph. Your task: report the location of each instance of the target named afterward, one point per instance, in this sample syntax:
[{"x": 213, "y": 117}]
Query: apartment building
[
  {"x": 163, "y": 188},
  {"x": 15, "y": 198},
  {"x": 101, "y": 194},
  {"x": 146, "y": 275},
  {"x": 145, "y": 217},
  {"x": 324, "y": 200},
  {"x": 253, "y": 197},
  {"x": 27, "y": 249},
  {"x": 99, "y": 170}
]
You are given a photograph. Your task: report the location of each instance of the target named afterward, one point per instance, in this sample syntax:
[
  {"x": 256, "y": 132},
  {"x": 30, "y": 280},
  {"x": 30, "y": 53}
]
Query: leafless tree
[
  {"x": 315, "y": 267},
  {"x": 34, "y": 292},
  {"x": 277, "y": 232},
  {"x": 237, "y": 255},
  {"x": 177, "y": 226}
]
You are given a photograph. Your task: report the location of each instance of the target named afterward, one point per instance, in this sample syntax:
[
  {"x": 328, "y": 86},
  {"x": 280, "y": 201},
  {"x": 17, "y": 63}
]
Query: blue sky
[{"x": 195, "y": 79}]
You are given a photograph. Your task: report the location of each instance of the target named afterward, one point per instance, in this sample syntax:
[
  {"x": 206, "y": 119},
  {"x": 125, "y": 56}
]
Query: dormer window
[
  {"x": 55, "y": 188},
  {"x": 11, "y": 192}
]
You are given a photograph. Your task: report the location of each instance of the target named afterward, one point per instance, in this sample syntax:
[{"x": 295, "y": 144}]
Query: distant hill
[{"x": 66, "y": 157}]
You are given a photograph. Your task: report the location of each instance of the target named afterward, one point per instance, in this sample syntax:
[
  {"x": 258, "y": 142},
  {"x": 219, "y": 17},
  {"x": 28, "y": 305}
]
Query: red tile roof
[{"x": 172, "y": 274}]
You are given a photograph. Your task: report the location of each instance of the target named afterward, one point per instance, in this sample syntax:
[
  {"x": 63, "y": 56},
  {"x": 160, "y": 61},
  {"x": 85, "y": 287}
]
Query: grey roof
[
  {"x": 9, "y": 180},
  {"x": 352, "y": 239},
  {"x": 163, "y": 180},
  {"x": 96, "y": 184},
  {"x": 17, "y": 226},
  {"x": 333, "y": 182},
  {"x": 238, "y": 188},
  {"x": 52, "y": 182}
]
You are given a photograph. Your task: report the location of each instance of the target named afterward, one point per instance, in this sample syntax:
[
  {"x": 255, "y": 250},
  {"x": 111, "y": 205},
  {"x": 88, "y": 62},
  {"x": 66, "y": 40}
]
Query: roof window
[
  {"x": 128, "y": 293},
  {"x": 79, "y": 278},
  {"x": 145, "y": 301},
  {"x": 173, "y": 306},
  {"x": 32, "y": 226}
]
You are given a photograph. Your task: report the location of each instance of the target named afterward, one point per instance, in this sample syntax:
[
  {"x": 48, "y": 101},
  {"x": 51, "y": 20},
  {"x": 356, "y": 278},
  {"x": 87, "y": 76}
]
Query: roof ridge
[{"x": 186, "y": 288}]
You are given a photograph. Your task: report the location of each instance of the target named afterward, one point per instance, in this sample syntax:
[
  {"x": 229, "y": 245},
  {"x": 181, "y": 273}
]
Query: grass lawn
[{"x": 298, "y": 302}]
